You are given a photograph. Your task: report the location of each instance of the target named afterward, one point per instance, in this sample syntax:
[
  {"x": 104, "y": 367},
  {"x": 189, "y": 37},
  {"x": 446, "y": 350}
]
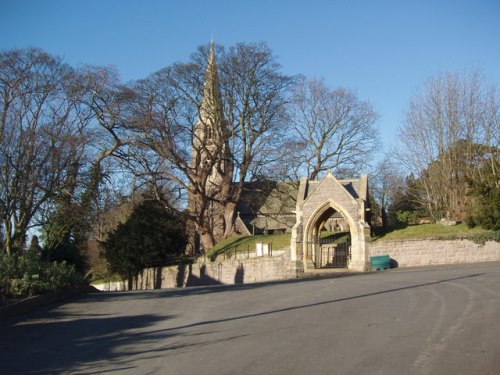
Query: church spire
[
  {"x": 211, "y": 161},
  {"x": 210, "y": 143},
  {"x": 211, "y": 104}
]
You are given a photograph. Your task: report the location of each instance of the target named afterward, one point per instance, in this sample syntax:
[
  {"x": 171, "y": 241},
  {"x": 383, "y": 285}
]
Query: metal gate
[{"x": 331, "y": 254}]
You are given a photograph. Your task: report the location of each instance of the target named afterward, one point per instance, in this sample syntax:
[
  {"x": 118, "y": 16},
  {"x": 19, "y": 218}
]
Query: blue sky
[{"x": 381, "y": 49}]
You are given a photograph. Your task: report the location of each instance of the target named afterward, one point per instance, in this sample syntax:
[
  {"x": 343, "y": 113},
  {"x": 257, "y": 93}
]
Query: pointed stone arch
[
  {"x": 319, "y": 200},
  {"x": 316, "y": 222}
]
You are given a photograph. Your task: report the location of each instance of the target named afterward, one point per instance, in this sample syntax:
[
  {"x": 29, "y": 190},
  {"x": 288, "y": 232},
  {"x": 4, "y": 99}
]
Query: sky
[{"x": 382, "y": 49}]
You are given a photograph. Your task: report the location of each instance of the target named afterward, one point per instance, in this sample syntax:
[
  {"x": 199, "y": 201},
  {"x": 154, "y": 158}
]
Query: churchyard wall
[
  {"x": 243, "y": 270},
  {"x": 426, "y": 252},
  {"x": 407, "y": 253}
]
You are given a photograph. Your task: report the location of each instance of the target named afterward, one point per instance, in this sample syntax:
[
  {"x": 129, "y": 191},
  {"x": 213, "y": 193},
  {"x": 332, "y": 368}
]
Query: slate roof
[{"x": 351, "y": 185}]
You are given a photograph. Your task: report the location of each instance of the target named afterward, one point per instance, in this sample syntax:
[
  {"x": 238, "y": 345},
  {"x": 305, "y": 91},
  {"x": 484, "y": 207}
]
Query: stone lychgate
[{"x": 317, "y": 202}]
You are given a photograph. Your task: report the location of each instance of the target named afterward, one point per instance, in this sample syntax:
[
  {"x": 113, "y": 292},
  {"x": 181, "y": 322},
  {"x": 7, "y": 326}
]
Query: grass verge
[
  {"x": 440, "y": 232},
  {"x": 242, "y": 244}
]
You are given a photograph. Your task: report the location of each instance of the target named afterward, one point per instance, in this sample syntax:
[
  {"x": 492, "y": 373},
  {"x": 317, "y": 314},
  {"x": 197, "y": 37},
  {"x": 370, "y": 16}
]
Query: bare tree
[
  {"x": 452, "y": 125},
  {"x": 171, "y": 122},
  {"x": 255, "y": 96},
  {"x": 38, "y": 134},
  {"x": 387, "y": 182},
  {"x": 334, "y": 129},
  {"x": 100, "y": 102},
  {"x": 59, "y": 127},
  {"x": 165, "y": 118}
]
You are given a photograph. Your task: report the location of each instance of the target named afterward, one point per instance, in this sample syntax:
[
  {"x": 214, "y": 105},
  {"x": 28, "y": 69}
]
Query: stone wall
[
  {"x": 408, "y": 253},
  {"x": 205, "y": 272},
  {"x": 411, "y": 253}
]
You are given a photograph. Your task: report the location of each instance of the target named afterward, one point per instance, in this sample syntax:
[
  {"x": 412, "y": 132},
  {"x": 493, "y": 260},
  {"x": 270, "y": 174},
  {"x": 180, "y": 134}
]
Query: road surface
[{"x": 443, "y": 320}]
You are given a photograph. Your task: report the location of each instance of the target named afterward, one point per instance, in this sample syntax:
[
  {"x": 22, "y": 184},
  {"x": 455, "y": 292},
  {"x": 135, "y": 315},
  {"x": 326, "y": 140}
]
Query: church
[{"x": 304, "y": 208}]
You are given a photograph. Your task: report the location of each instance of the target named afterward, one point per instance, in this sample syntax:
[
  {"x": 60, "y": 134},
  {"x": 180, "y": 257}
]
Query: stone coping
[{"x": 417, "y": 239}]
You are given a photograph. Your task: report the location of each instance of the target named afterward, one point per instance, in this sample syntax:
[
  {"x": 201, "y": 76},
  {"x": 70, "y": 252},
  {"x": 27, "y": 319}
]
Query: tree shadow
[
  {"x": 328, "y": 302},
  {"x": 205, "y": 285},
  {"x": 204, "y": 279},
  {"x": 158, "y": 278},
  {"x": 51, "y": 341},
  {"x": 239, "y": 276},
  {"x": 60, "y": 342},
  {"x": 179, "y": 279}
]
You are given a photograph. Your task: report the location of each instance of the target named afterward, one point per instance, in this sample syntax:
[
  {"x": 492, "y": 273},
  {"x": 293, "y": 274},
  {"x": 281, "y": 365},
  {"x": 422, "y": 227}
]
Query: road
[{"x": 442, "y": 320}]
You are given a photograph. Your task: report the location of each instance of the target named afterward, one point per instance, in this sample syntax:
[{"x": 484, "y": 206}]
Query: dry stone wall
[{"x": 410, "y": 253}]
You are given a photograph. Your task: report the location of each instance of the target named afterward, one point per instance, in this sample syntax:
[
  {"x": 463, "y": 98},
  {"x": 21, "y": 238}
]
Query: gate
[{"x": 331, "y": 254}]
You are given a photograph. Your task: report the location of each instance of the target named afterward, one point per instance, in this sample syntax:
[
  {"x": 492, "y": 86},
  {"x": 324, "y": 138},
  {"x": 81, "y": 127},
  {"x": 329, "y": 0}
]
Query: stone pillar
[
  {"x": 296, "y": 250},
  {"x": 359, "y": 247}
]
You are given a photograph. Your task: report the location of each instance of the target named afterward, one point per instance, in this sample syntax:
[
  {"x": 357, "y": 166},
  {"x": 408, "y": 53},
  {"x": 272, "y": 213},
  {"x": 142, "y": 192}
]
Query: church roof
[
  {"x": 270, "y": 197},
  {"x": 351, "y": 185}
]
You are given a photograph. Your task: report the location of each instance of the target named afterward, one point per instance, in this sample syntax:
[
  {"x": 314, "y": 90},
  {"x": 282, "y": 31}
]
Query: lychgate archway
[
  {"x": 317, "y": 249},
  {"x": 322, "y": 205}
]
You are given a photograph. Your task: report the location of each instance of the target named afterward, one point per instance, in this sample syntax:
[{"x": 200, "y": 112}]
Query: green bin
[{"x": 380, "y": 262}]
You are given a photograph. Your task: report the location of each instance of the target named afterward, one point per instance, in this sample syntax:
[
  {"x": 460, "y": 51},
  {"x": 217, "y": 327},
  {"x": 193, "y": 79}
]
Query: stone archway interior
[{"x": 329, "y": 240}]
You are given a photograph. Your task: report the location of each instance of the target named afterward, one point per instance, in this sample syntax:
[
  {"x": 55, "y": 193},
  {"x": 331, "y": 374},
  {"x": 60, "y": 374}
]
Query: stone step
[
  {"x": 326, "y": 270},
  {"x": 309, "y": 265}
]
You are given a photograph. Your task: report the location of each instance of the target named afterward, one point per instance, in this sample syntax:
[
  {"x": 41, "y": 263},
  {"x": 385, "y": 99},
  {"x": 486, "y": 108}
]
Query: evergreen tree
[
  {"x": 150, "y": 235},
  {"x": 485, "y": 191}
]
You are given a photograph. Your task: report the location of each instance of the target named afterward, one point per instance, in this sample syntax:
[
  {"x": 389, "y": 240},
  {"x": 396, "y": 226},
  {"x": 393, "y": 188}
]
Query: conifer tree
[{"x": 150, "y": 235}]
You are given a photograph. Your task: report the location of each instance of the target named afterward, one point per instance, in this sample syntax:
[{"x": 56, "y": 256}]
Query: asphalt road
[{"x": 425, "y": 321}]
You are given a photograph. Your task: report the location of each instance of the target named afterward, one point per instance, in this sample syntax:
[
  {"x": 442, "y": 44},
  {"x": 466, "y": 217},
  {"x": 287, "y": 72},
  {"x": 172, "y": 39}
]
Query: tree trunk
[
  {"x": 207, "y": 241},
  {"x": 229, "y": 213},
  {"x": 14, "y": 242}
]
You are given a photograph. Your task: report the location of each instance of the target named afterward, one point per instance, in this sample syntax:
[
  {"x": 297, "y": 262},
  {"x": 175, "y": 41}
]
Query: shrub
[
  {"x": 7, "y": 273},
  {"x": 486, "y": 193},
  {"x": 482, "y": 238},
  {"x": 470, "y": 222},
  {"x": 28, "y": 275},
  {"x": 406, "y": 217}
]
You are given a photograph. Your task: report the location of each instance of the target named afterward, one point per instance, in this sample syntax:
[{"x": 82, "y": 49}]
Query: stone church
[{"x": 304, "y": 208}]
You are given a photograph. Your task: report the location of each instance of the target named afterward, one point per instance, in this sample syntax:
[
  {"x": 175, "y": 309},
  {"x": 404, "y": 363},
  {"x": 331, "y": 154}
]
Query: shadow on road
[
  {"x": 54, "y": 346},
  {"x": 291, "y": 308},
  {"x": 52, "y": 341}
]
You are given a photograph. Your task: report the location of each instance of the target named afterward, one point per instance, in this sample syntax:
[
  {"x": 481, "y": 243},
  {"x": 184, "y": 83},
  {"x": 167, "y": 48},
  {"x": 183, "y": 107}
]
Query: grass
[
  {"x": 247, "y": 243},
  {"x": 336, "y": 237},
  {"x": 437, "y": 231}
]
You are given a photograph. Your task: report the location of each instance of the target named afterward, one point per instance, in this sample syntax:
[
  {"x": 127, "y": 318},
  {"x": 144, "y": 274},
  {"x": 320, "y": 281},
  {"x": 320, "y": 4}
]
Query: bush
[
  {"x": 482, "y": 238},
  {"x": 470, "y": 222},
  {"x": 485, "y": 210},
  {"x": 28, "y": 275},
  {"x": 7, "y": 273},
  {"x": 406, "y": 217}
]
